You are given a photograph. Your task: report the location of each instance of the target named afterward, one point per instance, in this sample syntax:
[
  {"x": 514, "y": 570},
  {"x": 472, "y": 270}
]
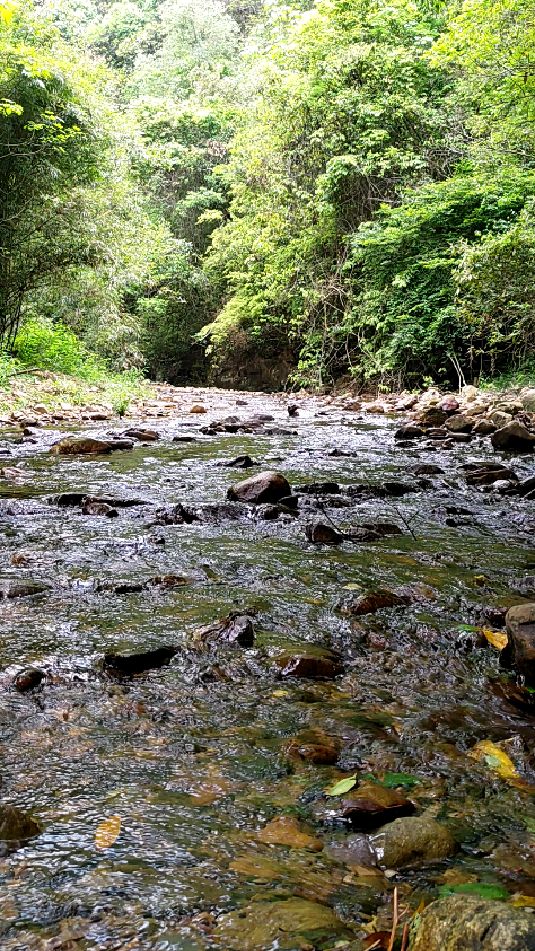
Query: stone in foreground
[
  {"x": 520, "y": 651},
  {"x": 264, "y": 487},
  {"x": 463, "y": 921},
  {"x": 413, "y": 841},
  {"x": 513, "y": 437}
]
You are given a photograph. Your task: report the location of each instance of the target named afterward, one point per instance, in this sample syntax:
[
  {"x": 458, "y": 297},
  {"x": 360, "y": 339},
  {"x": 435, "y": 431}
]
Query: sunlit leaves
[{"x": 342, "y": 786}]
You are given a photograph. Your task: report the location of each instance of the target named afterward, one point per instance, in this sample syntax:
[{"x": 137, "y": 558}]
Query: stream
[{"x": 198, "y": 757}]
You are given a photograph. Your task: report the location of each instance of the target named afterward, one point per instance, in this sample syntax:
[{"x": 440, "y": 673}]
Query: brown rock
[
  {"x": 28, "y": 679},
  {"x": 514, "y": 437},
  {"x": 459, "y": 424},
  {"x": 198, "y": 409},
  {"x": 313, "y": 746},
  {"x": 319, "y": 533},
  {"x": 16, "y": 825},
  {"x": 483, "y": 427},
  {"x": 87, "y": 446},
  {"x": 374, "y": 601},
  {"x": 285, "y": 830},
  {"x": 308, "y": 664},
  {"x": 413, "y": 840},
  {"x": 366, "y": 807},
  {"x": 264, "y": 487},
  {"x": 520, "y": 622}
]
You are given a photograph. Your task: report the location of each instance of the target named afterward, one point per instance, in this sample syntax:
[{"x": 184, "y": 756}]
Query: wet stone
[
  {"x": 374, "y": 601},
  {"x": 286, "y": 925},
  {"x": 236, "y": 629},
  {"x": 264, "y": 487},
  {"x": 355, "y": 849},
  {"x": 28, "y": 679},
  {"x": 319, "y": 533},
  {"x": 241, "y": 462},
  {"x": 22, "y": 589},
  {"x": 142, "y": 435},
  {"x": 514, "y": 437},
  {"x": 464, "y": 921},
  {"x": 288, "y": 831},
  {"x": 313, "y": 746},
  {"x": 130, "y": 664},
  {"x": 366, "y": 807},
  {"x": 520, "y": 651},
  {"x": 409, "y": 432},
  {"x": 413, "y": 841},
  {"x": 309, "y": 664},
  {"x": 16, "y": 825},
  {"x": 87, "y": 446}
]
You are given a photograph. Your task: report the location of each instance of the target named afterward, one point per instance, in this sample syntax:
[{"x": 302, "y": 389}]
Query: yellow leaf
[
  {"x": 107, "y": 832},
  {"x": 522, "y": 901},
  {"x": 495, "y": 758},
  {"x": 498, "y": 639}
]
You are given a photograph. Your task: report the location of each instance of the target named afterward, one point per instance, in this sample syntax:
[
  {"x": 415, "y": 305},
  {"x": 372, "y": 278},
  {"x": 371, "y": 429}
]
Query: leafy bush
[{"x": 47, "y": 346}]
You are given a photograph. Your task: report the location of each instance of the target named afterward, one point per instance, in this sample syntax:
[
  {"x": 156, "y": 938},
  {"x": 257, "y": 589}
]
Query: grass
[{"x": 514, "y": 379}]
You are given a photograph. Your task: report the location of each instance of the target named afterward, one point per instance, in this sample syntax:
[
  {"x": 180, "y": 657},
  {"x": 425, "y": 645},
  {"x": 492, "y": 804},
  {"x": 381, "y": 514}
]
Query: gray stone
[{"x": 467, "y": 923}]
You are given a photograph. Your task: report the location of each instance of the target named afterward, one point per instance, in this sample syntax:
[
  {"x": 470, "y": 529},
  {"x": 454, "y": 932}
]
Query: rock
[
  {"x": 310, "y": 664},
  {"x": 129, "y": 664},
  {"x": 16, "y": 825},
  {"x": 498, "y": 418},
  {"x": 143, "y": 435},
  {"x": 234, "y": 629},
  {"x": 355, "y": 849},
  {"x": 483, "y": 427},
  {"x": 470, "y": 393},
  {"x": 318, "y": 488},
  {"x": 459, "y": 424},
  {"x": 285, "y": 830},
  {"x": 86, "y": 446},
  {"x": 373, "y": 531},
  {"x": 432, "y": 417},
  {"x": 241, "y": 462},
  {"x": 285, "y": 925},
  {"x": 28, "y": 679},
  {"x": 94, "y": 507},
  {"x": 313, "y": 746},
  {"x": 366, "y": 807},
  {"x": 264, "y": 487},
  {"x": 184, "y": 439},
  {"x": 410, "y": 431},
  {"x": 526, "y": 489},
  {"x": 175, "y": 515},
  {"x": 449, "y": 404},
  {"x": 514, "y": 437},
  {"x": 319, "y": 533},
  {"x": 487, "y": 475},
  {"x": 293, "y": 410},
  {"x": 413, "y": 840},
  {"x": 68, "y": 499},
  {"x": 374, "y": 601},
  {"x": 520, "y": 651},
  {"x": 198, "y": 409},
  {"x": 465, "y": 921},
  {"x": 22, "y": 589},
  {"x": 428, "y": 468},
  {"x": 527, "y": 398},
  {"x": 374, "y": 408}
]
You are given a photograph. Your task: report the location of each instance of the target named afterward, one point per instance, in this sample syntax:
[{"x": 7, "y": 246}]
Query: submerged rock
[
  {"x": 16, "y": 825},
  {"x": 264, "y": 487},
  {"x": 313, "y": 746},
  {"x": 143, "y": 435},
  {"x": 355, "y": 849},
  {"x": 285, "y": 925},
  {"x": 520, "y": 651},
  {"x": 374, "y": 601},
  {"x": 129, "y": 664},
  {"x": 28, "y": 679},
  {"x": 286, "y": 830},
  {"x": 241, "y": 462},
  {"x": 464, "y": 921},
  {"x": 22, "y": 589},
  {"x": 413, "y": 840}
]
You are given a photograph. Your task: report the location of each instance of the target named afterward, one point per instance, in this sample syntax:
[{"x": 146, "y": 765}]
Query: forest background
[{"x": 268, "y": 194}]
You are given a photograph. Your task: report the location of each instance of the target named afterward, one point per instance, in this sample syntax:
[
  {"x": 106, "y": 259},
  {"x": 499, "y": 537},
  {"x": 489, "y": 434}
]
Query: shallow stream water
[{"x": 193, "y": 756}]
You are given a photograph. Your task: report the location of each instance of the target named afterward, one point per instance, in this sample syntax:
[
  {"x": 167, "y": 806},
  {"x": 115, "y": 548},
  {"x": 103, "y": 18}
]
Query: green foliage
[{"x": 45, "y": 346}]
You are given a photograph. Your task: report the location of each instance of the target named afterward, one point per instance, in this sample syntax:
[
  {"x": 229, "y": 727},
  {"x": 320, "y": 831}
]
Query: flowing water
[{"x": 192, "y": 756}]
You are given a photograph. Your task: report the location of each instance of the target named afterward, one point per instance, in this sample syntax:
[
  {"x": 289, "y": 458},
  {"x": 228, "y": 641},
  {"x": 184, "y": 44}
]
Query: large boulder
[
  {"x": 514, "y": 437},
  {"x": 413, "y": 840},
  {"x": 462, "y": 922},
  {"x": 264, "y": 487},
  {"x": 520, "y": 651}
]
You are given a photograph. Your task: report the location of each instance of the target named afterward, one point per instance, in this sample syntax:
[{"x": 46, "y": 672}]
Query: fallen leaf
[
  {"x": 107, "y": 832},
  {"x": 523, "y": 901},
  {"x": 496, "y": 759},
  {"x": 498, "y": 639},
  {"x": 342, "y": 786}
]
